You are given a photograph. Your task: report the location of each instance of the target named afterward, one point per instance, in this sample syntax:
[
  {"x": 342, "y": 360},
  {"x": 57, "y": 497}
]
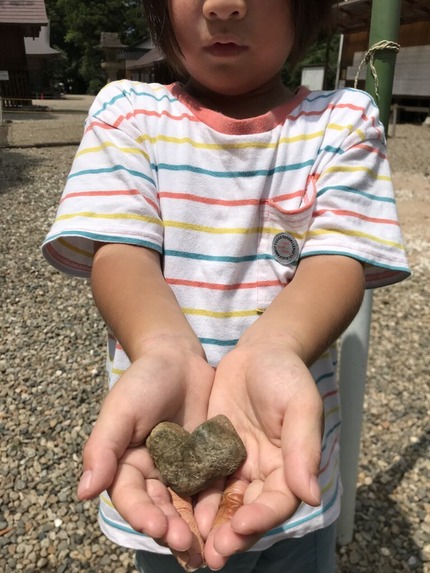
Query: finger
[
  {"x": 106, "y": 444},
  {"x": 141, "y": 502},
  {"x": 232, "y": 499},
  {"x": 301, "y": 449},
  {"x": 192, "y": 558},
  {"x": 207, "y": 506}
]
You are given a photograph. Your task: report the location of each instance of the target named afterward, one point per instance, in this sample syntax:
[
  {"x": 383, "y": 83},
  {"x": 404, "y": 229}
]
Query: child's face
[{"x": 233, "y": 47}]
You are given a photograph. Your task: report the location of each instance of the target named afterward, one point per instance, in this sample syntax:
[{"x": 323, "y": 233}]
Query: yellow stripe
[
  {"x": 216, "y": 146},
  {"x": 110, "y": 144},
  {"x": 75, "y": 249},
  {"x": 331, "y": 412},
  {"x": 106, "y": 500},
  {"x": 117, "y": 371},
  {"x": 227, "y": 230},
  {"x": 357, "y": 234},
  {"x": 213, "y": 314},
  {"x": 127, "y": 216},
  {"x": 344, "y": 169},
  {"x": 329, "y": 485},
  {"x": 349, "y": 127}
]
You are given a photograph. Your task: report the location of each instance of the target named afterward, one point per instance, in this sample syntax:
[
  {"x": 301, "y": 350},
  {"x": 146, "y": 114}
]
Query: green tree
[
  {"x": 76, "y": 26},
  {"x": 323, "y": 52}
]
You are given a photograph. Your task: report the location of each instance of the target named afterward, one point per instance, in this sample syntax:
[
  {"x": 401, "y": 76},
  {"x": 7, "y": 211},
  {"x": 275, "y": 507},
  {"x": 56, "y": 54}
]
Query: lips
[{"x": 225, "y": 49}]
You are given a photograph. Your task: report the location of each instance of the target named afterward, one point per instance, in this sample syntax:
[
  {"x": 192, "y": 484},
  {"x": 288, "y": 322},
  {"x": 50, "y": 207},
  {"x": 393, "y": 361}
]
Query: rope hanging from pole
[{"x": 369, "y": 58}]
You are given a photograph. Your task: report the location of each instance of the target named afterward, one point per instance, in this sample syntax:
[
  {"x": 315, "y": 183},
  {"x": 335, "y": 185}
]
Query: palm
[
  {"x": 159, "y": 386},
  {"x": 272, "y": 401}
]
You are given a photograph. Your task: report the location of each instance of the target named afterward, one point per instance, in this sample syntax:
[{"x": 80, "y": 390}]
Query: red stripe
[
  {"x": 345, "y": 213},
  {"x": 214, "y": 286}
]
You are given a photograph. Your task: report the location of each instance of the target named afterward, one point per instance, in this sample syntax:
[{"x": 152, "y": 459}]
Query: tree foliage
[{"x": 76, "y": 26}]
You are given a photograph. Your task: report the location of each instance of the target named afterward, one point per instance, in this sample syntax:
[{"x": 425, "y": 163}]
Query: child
[{"x": 229, "y": 227}]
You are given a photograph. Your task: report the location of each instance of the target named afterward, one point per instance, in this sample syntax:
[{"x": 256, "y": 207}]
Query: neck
[{"x": 241, "y": 106}]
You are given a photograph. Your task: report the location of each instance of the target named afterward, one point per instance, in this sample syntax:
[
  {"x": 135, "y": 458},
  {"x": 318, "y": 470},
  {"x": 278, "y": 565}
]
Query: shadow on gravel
[
  {"x": 11, "y": 172},
  {"x": 381, "y": 522}
]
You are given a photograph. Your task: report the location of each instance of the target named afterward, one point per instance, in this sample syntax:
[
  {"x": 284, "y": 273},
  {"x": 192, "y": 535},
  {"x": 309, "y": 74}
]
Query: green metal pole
[{"x": 385, "y": 24}]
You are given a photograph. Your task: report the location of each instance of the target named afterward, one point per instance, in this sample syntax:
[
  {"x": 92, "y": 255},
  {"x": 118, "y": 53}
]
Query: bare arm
[
  {"x": 135, "y": 301},
  {"x": 314, "y": 309}
]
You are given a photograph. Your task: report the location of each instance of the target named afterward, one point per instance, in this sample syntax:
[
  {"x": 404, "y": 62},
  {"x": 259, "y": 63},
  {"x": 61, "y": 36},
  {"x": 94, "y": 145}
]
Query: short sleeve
[
  {"x": 355, "y": 210},
  {"x": 111, "y": 191}
]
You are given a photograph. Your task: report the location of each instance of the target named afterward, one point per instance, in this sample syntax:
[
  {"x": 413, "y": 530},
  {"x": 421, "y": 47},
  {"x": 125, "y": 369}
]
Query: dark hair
[{"x": 310, "y": 18}]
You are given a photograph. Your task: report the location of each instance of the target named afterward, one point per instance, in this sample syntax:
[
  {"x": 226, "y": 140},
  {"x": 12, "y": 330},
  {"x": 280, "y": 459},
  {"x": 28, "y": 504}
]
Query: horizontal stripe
[
  {"x": 106, "y": 144},
  {"x": 355, "y": 169},
  {"x": 222, "y": 287},
  {"x": 219, "y": 315},
  {"x": 355, "y": 233},
  {"x": 87, "y": 254},
  {"x": 228, "y": 146},
  {"x": 79, "y": 268},
  {"x": 113, "y": 169},
  {"x": 103, "y": 238},
  {"x": 226, "y": 230},
  {"x": 127, "y": 92},
  {"x": 216, "y": 259},
  {"x": 233, "y": 174},
  {"x": 355, "y": 191},
  {"x": 218, "y": 342},
  {"x": 356, "y": 215},
  {"x": 229, "y": 202},
  {"x": 388, "y": 267},
  {"x": 109, "y": 216}
]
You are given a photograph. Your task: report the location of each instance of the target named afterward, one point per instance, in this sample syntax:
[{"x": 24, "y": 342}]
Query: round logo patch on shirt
[{"x": 285, "y": 249}]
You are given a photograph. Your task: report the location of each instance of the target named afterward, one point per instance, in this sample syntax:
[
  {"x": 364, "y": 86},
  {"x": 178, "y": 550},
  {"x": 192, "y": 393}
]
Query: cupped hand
[
  {"x": 271, "y": 398},
  {"x": 165, "y": 383}
]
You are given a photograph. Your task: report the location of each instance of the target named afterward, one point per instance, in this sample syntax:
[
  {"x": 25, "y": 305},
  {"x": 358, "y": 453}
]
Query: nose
[{"x": 224, "y": 9}]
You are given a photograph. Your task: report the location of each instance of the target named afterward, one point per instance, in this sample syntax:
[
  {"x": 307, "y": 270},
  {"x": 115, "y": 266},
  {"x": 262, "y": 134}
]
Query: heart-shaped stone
[{"x": 189, "y": 463}]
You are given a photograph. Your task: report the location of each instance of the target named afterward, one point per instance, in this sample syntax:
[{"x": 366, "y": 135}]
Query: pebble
[{"x": 52, "y": 370}]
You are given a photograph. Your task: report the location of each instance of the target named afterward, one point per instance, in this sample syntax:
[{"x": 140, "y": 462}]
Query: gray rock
[{"x": 190, "y": 463}]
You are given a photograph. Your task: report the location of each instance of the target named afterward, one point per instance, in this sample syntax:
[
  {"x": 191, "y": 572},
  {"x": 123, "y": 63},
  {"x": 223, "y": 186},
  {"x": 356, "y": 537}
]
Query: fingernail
[
  {"x": 84, "y": 483},
  {"x": 315, "y": 490}
]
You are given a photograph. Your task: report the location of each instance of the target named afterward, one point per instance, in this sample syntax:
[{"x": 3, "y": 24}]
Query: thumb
[
  {"x": 301, "y": 448},
  {"x": 110, "y": 437}
]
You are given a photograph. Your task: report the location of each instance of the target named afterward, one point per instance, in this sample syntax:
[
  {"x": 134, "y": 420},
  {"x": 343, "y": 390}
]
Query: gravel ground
[{"x": 52, "y": 363}]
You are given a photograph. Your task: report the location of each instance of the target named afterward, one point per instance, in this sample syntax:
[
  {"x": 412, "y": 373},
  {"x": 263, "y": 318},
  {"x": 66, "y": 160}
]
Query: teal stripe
[
  {"x": 385, "y": 266},
  {"x": 104, "y": 239},
  {"x": 112, "y": 169},
  {"x": 217, "y": 259},
  {"x": 322, "y": 95},
  {"x": 126, "y": 93},
  {"x": 119, "y": 526},
  {"x": 233, "y": 174},
  {"x": 324, "y": 377},
  {"x": 216, "y": 342},
  {"x": 331, "y": 149},
  {"x": 328, "y": 434},
  {"x": 355, "y": 192}
]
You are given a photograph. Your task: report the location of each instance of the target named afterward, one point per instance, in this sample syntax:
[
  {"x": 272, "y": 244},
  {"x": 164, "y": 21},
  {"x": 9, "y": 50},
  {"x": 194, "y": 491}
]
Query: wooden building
[
  {"x": 411, "y": 89},
  {"x": 19, "y": 19}
]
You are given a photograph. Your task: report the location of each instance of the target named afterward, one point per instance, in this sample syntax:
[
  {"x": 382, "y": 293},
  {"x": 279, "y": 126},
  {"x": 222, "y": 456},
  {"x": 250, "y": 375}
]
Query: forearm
[
  {"x": 135, "y": 301},
  {"x": 314, "y": 309}
]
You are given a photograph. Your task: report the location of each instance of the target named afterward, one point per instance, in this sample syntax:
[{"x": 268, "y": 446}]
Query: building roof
[
  {"x": 152, "y": 57},
  {"x": 354, "y": 15},
  {"x": 40, "y": 45},
  {"x": 24, "y": 12}
]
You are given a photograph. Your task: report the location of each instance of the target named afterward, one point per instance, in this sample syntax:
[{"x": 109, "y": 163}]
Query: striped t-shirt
[{"x": 232, "y": 205}]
